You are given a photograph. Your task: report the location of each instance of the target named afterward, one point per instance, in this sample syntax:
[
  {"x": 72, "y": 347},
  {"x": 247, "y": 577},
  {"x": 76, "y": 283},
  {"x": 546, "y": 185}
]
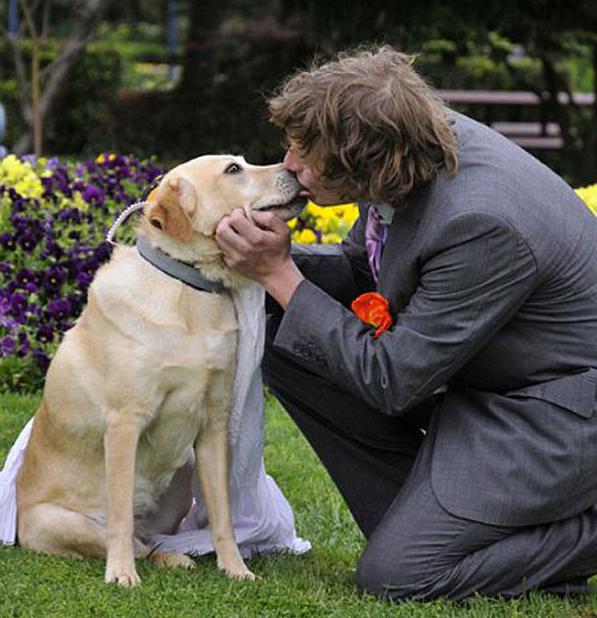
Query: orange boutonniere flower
[{"x": 373, "y": 309}]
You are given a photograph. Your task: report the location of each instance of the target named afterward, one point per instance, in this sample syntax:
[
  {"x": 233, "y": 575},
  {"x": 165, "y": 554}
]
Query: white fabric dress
[{"x": 261, "y": 516}]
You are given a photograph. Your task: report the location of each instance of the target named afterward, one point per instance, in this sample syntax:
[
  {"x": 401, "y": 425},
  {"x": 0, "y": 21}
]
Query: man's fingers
[
  {"x": 269, "y": 221},
  {"x": 250, "y": 250},
  {"x": 244, "y": 227},
  {"x": 243, "y": 239},
  {"x": 228, "y": 238}
]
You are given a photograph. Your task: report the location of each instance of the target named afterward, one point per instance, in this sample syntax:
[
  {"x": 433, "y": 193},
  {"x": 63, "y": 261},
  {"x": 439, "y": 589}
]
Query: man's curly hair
[{"x": 371, "y": 125}]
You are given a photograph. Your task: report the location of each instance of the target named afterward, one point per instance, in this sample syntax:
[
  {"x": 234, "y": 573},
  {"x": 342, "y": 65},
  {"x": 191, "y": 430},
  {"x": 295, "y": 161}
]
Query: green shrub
[{"x": 85, "y": 99}]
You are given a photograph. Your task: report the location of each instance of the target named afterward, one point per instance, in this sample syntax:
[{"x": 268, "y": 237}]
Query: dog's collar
[{"x": 175, "y": 268}]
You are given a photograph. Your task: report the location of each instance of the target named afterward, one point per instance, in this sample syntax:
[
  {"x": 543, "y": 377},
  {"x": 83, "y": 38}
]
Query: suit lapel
[{"x": 398, "y": 258}]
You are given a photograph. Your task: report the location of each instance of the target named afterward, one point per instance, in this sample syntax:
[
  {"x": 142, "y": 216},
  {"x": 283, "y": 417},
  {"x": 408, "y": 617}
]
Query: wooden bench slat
[
  {"x": 514, "y": 97},
  {"x": 539, "y": 143},
  {"x": 530, "y": 129}
]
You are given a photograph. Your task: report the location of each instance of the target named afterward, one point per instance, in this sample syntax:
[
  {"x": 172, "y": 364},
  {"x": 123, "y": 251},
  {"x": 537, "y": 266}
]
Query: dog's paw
[
  {"x": 237, "y": 571},
  {"x": 125, "y": 577},
  {"x": 244, "y": 574},
  {"x": 172, "y": 559}
]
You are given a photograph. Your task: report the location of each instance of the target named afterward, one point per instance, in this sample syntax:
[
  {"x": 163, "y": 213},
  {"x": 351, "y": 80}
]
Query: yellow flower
[
  {"x": 304, "y": 237},
  {"x": 333, "y": 222},
  {"x": 311, "y": 210},
  {"x": 21, "y": 176},
  {"x": 325, "y": 221},
  {"x": 331, "y": 239},
  {"x": 102, "y": 158},
  {"x": 350, "y": 214},
  {"x": 589, "y": 196},
  {"x": 79, "y": 202}
]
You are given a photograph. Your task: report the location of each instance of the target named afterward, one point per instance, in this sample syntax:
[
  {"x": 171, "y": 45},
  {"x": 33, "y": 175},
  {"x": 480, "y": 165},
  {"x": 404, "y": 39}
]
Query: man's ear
[{"x": 171, "y": 206}]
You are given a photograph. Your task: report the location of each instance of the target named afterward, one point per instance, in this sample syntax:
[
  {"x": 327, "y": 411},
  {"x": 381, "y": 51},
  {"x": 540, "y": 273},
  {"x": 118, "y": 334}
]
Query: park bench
[{"x": 536, "y": 135}]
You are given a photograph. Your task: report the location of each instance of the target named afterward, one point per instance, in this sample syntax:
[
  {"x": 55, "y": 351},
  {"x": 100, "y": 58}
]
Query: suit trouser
[{"x": 415, "y": 548}]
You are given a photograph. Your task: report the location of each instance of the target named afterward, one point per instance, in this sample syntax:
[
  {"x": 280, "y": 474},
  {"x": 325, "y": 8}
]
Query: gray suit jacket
[{"x": 491, "y": 277}]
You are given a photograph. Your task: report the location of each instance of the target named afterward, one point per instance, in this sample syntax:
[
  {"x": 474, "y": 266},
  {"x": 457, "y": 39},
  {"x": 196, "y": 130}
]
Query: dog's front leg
[
  {"x": 211, "y": 453},
  {"x": 120, "y": 447}
]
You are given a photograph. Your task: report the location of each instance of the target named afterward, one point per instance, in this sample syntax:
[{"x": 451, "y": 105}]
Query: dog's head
[
  {"x": 184, "y": 210},
  {"x": 193, "y": 197}
]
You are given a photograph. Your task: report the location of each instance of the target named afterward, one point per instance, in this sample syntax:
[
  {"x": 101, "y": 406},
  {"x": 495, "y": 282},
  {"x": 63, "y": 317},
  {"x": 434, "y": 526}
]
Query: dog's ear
[{"x": 171, "y": 206}]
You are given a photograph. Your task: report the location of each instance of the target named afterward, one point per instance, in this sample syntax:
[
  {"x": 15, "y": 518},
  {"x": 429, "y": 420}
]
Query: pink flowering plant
[{"x": 53, "y": 220}]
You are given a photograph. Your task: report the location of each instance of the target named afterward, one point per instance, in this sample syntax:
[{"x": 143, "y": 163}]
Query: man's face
[{"x": 309, "y": 177}]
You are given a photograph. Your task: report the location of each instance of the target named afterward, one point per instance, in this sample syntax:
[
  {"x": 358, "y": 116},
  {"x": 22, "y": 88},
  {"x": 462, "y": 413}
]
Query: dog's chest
[
  {"x": 186, "y": 335},
  {"x": 175, "y": 349},
  {"x": 165, "y": 444},
  {"x": 191, "y": 380},
  {"x": 168, "y": 324}
]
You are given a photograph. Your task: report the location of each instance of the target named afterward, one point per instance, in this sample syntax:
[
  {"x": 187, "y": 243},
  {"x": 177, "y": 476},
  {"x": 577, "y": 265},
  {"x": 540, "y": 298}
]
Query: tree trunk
[
  {"x": 86, "y": 17},
  {"x": 37, "y": 125}
]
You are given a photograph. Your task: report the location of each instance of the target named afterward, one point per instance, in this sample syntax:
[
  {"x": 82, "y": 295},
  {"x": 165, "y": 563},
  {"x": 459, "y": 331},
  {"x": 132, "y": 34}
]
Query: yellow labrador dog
[{"x": 142, "y": 380}]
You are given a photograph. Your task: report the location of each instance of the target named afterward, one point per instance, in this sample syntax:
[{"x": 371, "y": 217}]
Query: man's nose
[{"x": 291, "y": 163}]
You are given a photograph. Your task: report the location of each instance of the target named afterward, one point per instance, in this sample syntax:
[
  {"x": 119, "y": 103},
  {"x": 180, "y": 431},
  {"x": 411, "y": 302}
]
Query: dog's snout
[{"x": 287, "y": 183}]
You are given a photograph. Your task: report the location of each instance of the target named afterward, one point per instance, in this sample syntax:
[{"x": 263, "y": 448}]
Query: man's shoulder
[
  {"x": 523, "y": 195},
  {"x": 497, "y": 176}
]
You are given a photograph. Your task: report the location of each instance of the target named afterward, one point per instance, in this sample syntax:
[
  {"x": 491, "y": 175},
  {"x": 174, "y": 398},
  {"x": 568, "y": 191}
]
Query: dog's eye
[{"x": 233, "y": 168}]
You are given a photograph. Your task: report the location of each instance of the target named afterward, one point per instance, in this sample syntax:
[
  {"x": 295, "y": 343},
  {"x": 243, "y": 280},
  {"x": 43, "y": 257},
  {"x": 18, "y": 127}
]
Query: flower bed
[
  {"x": 53, "y": 220},
  {"x": 321, "y": 225}
]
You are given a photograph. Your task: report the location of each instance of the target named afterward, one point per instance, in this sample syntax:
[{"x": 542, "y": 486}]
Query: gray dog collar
[{"x": 175, "y": 268}]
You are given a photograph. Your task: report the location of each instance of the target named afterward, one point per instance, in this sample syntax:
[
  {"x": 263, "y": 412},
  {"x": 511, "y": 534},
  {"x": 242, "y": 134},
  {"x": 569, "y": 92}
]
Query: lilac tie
[{"x": 375, "y": 235}]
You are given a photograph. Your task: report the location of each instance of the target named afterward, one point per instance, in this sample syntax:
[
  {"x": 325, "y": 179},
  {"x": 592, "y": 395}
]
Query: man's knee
[
  {"x": 411, "y": 554},
  {"x": 388, "y": 575},
  {"x": 370, "y": 576}
]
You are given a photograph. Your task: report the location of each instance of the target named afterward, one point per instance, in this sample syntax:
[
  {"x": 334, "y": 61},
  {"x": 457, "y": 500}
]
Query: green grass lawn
[{"x": 319, "y": 583}]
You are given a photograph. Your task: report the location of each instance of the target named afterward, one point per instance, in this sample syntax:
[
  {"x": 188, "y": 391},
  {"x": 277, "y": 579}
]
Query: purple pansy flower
[
  {"x": 59, "y": 308},
  {"x": 26, "y": 275},
  {"x": 7, "y": 345},
  {"x": 103, "y": 252},
  {"x": 83, "y": 279},
  {"x": 93, "y": 195},
  {"x": 54, "y": 277},
  {"x": 42, "y": 360},
  {"x": 45, "y": 334},
  {"x": 7, "y": 241},
  {"x": 18, "y": 303},
  {"x": 28, "y": 241},
  {"x": 70, "y": 215}
]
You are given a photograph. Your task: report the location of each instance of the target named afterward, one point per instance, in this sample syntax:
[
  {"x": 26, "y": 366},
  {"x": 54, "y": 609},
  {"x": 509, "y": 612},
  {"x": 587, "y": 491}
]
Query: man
[{"x": 462, "y": 438}]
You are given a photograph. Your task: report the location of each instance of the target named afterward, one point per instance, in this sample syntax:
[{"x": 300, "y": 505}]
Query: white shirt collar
[{"x": 386, "y": 212}]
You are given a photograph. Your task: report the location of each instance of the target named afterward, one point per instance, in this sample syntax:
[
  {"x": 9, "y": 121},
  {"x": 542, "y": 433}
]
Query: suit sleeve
[{"x": 475, "y": 272}]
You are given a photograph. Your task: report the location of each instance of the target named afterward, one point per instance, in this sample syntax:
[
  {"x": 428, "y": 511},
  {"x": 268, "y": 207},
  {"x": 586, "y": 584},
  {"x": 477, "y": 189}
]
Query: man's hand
[{"x": 260, "y": 249}]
